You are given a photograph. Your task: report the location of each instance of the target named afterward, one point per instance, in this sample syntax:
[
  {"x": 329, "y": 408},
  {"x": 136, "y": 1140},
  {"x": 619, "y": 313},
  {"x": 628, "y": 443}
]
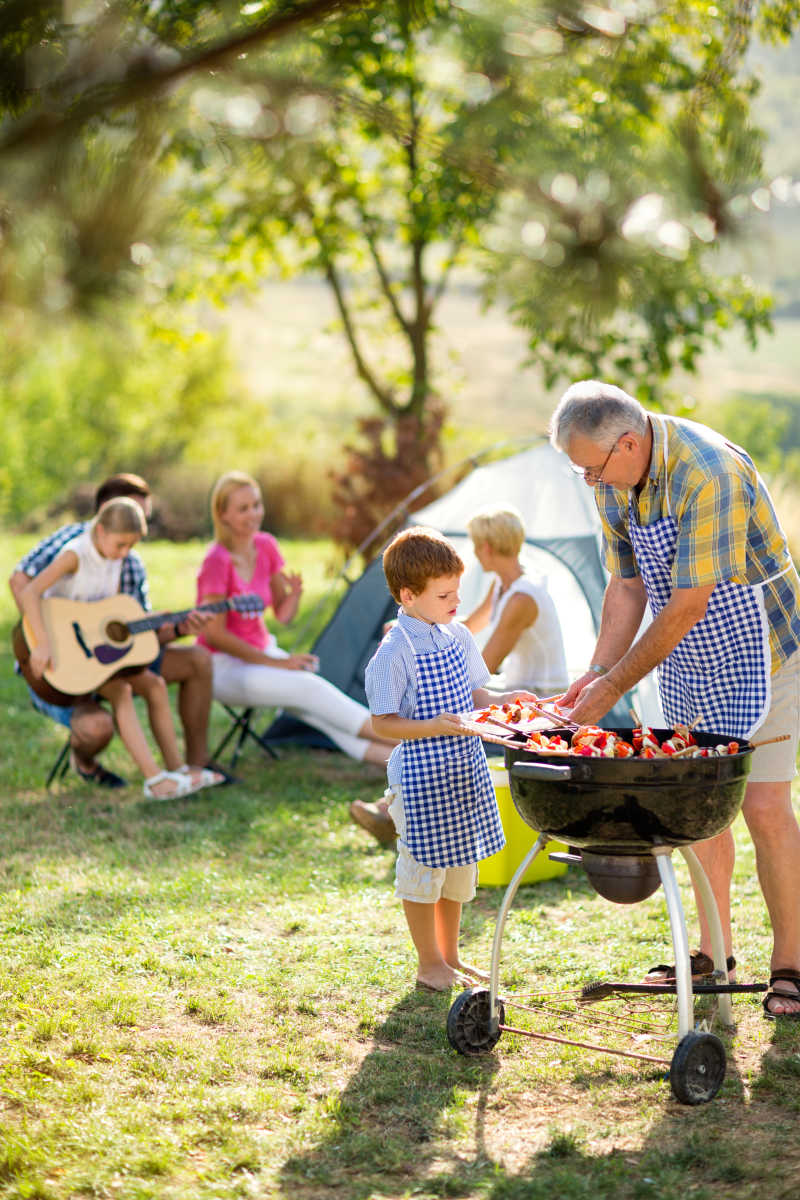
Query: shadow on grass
[
  {"x": 388, "y": 1126},
  {"x": 396, "y": 1128}
]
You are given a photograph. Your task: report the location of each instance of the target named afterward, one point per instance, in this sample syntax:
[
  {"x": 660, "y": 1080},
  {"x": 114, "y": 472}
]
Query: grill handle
[{"x": 531, "y": 770}]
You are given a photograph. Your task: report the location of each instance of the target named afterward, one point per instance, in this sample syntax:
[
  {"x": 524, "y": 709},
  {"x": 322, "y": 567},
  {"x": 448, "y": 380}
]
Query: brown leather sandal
[
  {"x": 702, "y": 967},
  {"x": 782, "y": 975}
]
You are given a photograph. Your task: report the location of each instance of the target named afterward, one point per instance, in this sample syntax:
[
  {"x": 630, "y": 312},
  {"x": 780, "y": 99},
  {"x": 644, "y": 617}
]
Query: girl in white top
[
  {"x": 525, "y": 649},
  {"x": 88, "y": 568}
]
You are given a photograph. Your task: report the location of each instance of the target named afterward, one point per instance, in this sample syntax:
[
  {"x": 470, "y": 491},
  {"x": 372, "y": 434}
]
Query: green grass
[{"x": 213, "y": 998}]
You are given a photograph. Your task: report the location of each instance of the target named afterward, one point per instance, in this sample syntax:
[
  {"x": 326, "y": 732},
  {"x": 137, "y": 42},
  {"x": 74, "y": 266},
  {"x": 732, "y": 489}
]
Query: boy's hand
[{"x": 447, "y": 725}]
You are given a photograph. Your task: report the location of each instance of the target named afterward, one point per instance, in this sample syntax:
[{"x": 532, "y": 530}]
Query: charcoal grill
[{"x": 623, "y": 818}]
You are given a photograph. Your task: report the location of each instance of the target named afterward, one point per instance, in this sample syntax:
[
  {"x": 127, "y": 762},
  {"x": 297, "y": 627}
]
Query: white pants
[{"x": 301, "y": 693}]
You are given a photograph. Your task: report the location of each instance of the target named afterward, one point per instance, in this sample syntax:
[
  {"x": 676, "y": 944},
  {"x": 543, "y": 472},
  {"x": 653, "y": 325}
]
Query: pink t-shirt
[{"x": 219, "y": 577}]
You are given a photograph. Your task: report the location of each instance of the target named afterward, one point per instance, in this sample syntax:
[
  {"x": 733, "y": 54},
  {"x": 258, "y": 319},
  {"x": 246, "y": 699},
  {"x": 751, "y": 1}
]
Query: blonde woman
[
  {"x": 250, "y": 669},
  {"x": 525, "y": 648},
  {"x": 88, "y": 568}
]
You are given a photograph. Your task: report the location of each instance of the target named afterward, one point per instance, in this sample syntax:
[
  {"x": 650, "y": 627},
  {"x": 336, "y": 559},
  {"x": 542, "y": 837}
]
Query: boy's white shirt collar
[{"x": 415, "y": 624}]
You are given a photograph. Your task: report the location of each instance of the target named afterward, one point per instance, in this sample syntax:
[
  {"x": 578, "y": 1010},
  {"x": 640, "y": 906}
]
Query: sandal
[
  {"x": 702, "y": 967},
  {"x": 99, "y": 776},
  {"x": 202, "y": 777},
  {"x": 182, "y": 785},
  {"x": 782, "y": 975}
]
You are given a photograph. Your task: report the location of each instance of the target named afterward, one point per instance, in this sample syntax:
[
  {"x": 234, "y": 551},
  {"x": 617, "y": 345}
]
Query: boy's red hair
[{"x": 415, "y": 556}]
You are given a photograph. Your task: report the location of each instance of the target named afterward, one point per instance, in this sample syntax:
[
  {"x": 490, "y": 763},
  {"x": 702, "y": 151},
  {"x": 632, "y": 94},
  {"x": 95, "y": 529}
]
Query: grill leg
[
  {"x": 508, "y": 898},
  {"x": 703, "y": 890},
  {"x": 680, "y": 940}
]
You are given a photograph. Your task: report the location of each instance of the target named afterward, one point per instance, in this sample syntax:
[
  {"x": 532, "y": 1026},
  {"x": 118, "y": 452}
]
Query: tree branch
[
  {"x": 440, "y": 287},
  {"x": 383, "y": 276},
  {"x": 146, "y": 78},
  {"x": 420, "y": 325},
  {"x": 383, "y": 395}
]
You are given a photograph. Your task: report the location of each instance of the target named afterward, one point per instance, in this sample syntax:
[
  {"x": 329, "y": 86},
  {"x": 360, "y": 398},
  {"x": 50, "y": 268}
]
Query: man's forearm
[{"x": 623, "y": 608}]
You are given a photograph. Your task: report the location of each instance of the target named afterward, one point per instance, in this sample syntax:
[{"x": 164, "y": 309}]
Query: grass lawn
[{"x": 214, "y": 998}]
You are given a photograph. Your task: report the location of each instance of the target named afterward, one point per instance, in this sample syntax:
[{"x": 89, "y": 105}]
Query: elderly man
[{"x": 689, "y": 528}]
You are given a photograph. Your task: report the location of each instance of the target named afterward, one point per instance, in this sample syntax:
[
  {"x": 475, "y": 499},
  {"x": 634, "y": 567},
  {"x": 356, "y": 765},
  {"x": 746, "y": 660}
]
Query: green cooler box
[{"x": 498, "y": 870}]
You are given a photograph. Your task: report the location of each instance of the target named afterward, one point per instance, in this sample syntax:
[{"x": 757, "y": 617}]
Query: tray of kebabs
[{"x": 545, "y": 729}]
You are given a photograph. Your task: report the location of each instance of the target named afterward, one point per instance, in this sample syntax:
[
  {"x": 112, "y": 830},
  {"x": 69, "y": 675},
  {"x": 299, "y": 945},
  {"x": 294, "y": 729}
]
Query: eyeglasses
[{"x": 595, "y": 474}]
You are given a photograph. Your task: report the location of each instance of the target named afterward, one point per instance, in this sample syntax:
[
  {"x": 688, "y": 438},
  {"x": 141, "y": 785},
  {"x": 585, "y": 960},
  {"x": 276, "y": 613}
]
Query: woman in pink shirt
[{"x": 250, "y": 669}]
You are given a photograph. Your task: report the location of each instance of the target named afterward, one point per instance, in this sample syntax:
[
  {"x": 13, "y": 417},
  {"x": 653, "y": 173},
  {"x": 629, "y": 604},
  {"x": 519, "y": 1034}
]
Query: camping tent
[{"x": 562, "y": 544}]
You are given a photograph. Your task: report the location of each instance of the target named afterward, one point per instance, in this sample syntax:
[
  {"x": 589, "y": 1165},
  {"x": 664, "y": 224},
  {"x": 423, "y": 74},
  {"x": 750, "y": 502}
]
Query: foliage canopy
[{"x": 586, "y": 162}]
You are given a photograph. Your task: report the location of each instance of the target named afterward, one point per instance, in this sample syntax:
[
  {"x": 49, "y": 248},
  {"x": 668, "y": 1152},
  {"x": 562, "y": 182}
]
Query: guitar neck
[{"x": 174, "y": 618}]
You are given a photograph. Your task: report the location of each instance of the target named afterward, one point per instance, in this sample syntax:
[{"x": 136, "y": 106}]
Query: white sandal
[
  {"x": 205, "y": 776},
  {"x": 183, "y": 785}
]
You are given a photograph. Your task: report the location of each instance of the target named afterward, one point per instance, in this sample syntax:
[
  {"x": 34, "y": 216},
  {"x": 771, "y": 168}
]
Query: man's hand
[
  {"x": 190, "y": 626},
  {"x": 195, "y": 623},
  {"x": 596, "y": 696},
  {"x": 570, "y": 697}
]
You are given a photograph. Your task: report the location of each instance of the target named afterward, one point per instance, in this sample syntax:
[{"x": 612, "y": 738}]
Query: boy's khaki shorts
[
  {"x": 415, "y": 881},
  {"x": 778, "y": 763}
]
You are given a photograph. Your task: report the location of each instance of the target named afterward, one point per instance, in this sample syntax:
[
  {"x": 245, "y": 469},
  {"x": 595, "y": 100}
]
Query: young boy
[{"x": 427, "y": 671}]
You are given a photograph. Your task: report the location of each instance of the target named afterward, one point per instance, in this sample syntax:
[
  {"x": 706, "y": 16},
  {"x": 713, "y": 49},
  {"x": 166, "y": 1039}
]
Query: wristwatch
[{"x": 598, "y": 669}]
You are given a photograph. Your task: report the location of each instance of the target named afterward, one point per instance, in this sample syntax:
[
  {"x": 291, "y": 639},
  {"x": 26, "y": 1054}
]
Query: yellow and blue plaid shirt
[{"x": 727, "y": 528}]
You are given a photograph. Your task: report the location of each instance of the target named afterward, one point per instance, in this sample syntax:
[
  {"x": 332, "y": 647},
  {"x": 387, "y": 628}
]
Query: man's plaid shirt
[{"x": 727, "y": 526}]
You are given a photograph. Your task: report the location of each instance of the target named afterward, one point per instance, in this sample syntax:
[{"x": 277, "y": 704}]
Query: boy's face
[{"x": 437, "y": 603}]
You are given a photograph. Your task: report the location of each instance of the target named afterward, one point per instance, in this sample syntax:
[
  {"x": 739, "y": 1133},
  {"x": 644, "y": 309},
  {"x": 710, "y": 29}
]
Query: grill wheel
[
  {"x": 698, "y": 1068},
  {"x": 468, "y": 1022}
]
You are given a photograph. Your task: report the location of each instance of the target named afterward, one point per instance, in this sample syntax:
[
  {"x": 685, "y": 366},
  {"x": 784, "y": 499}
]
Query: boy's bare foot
[{"x": 436, "y": 979}]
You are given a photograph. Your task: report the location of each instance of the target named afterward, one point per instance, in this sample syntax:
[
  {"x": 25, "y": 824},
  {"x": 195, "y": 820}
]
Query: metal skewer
[{"x": 562, "y": 722}]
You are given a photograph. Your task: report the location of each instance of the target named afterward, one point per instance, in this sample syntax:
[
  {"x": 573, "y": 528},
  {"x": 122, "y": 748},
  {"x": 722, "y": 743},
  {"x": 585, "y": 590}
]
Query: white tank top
[
  {"x": 96, "y": 577},
  {"x": 538, "y": 661}
]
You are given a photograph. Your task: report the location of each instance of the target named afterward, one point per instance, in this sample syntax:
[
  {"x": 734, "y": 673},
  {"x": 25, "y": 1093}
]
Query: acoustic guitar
[{"x": 91, "y": 641}]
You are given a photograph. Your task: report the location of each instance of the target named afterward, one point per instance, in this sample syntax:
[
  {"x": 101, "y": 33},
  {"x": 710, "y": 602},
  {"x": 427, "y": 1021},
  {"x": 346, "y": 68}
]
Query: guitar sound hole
[{"x": 117, "y": 631}]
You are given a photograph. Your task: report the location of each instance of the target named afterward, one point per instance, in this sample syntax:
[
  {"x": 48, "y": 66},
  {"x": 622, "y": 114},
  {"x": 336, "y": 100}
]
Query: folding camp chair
[
  {"x": 59, "y": 767},
  {"x": 241, "y": 728}
]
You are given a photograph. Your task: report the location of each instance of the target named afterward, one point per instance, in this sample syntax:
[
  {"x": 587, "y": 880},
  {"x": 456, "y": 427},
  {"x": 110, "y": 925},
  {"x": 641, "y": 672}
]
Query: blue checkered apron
[
  {"x": 720, "y": 670},
  {"x": 448, "y": 797}
]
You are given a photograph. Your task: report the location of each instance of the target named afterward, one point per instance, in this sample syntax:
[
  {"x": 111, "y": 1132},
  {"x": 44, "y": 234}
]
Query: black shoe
[
  {"x": 227, "y": 777},
  {"x": 101, "y": 777}
]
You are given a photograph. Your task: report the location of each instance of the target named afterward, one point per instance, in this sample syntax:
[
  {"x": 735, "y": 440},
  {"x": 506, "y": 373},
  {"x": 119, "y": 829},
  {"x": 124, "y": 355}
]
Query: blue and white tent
[{"x": 562, "y": 544}]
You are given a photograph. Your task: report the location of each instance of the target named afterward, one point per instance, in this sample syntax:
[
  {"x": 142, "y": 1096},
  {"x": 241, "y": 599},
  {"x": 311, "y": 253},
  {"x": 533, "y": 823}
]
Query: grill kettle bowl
[{"x": 629, "y": 805}]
